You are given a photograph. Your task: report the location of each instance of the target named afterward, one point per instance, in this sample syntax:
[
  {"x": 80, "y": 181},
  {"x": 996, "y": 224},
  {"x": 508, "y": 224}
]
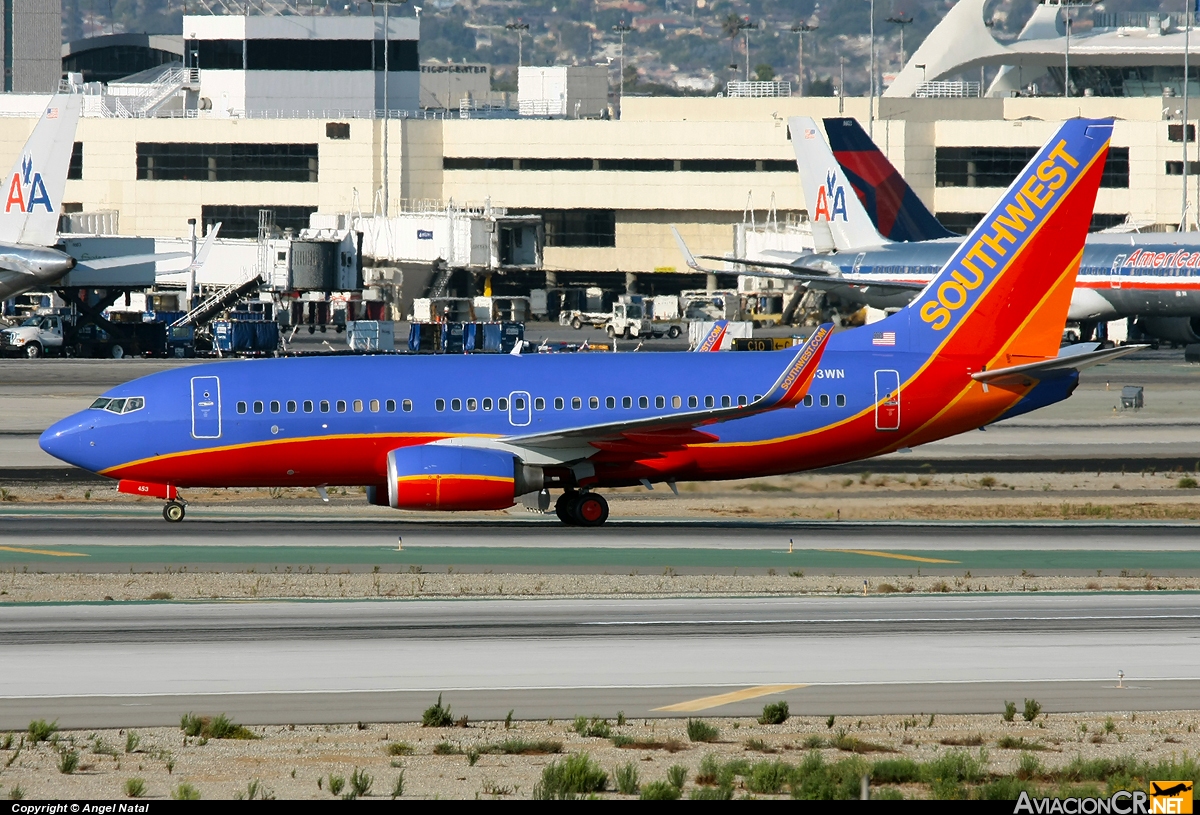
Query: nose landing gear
[
  {"x": 173, "y": 512},
  {"x": 581, "y": 508}
]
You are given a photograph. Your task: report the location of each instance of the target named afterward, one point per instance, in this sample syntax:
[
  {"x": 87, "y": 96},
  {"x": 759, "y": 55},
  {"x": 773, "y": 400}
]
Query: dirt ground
[{"x": 297, "y": 762}]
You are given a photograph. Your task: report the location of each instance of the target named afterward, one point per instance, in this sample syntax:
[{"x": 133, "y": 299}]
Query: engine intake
[{"x": 435, "y": 477}]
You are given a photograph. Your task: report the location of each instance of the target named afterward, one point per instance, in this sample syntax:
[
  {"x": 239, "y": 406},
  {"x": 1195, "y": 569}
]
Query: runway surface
[
  {"x": 112, "y": 541},
  {"x": 102, "y": 665}
]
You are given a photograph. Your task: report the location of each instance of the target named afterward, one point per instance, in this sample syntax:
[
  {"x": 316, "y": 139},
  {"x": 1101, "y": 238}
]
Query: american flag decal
[
  {"x": 52, "y": 113},
  {"x": 883, "y": 338}
]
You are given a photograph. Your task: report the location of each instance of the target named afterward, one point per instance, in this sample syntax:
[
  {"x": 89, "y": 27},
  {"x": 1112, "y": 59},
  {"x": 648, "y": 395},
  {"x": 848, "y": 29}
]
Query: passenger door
[
  {"x": 206, "y": 407},
  {"x": 887, "y": 400},
  {"x": 1117, "y": 270},
  {"x": 519, "y": 411}
]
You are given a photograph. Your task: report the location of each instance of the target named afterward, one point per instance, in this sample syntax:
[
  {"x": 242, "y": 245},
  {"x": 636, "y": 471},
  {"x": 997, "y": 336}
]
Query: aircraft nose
[{"x": 65, "y": 440}]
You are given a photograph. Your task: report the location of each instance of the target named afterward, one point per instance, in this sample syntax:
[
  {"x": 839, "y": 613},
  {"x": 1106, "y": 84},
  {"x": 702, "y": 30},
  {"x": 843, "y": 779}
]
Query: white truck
[
  {"x": 37, "y": 336},
  {"x": 630, "y": 319}
]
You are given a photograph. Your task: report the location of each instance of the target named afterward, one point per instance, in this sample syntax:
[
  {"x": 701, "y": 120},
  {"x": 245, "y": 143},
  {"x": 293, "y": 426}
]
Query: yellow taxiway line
[
  {"x": 49, "y": 552},
  {"x": 728, "y": 698},
  {"x": 891, "y": 555}
]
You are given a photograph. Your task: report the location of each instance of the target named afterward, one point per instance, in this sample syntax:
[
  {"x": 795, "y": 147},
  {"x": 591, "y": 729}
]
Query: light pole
[
  {"x": 387, "y": 5},
  {"x": 902, "y": 22},
  {"x": 800, "y": 29},
  {"x": 1187, "y": 24},
  {"x": 621, "y": 28},
  {"x": 1067, "y": 53},
  {"x": 520, "y": 28},
  {"x": 745, "y": 27},
  {"x": 871, "y": 106}
]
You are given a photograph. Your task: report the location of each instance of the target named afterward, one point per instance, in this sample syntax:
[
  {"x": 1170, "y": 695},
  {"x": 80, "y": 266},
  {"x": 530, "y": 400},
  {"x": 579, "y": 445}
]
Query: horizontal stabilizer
[{"x": 1058, "y": 365}]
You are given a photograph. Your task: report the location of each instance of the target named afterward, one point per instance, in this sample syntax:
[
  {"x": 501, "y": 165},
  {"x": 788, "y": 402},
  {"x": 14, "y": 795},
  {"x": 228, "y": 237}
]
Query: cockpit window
[
  {"x": 134, "y": 403},
  {"x": 116, "y": 405},
  {"x": 128, "y": 405},
  {"x": 100, "y": 404}
]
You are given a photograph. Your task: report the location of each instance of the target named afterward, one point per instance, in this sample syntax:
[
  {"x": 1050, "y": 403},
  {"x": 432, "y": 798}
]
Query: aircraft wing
[
  {"x": 1063, "y": 363},
  {"x": 681, "y": 428},
  {"x": 814, "y": 278},
  {"x": 121, "y": 261}
]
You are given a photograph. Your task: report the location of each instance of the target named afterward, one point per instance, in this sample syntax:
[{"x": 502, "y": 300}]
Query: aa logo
[
  {"x": 831, "y": 200},
  {"x": 1171, "y": 797}
]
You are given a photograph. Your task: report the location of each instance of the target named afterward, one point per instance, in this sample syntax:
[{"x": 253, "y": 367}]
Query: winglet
[
  {"x": 206, "y": 247},
  {"x": 715, "y": 336},
  {"x": 793, "y": 383},
  {"x": 688, "y": 257}
]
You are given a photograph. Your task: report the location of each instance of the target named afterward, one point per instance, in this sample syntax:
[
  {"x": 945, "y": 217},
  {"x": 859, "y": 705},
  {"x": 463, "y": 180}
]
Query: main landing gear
[
  {"x": 581, "y": 508},
  {"x": 174, "y": 512}
]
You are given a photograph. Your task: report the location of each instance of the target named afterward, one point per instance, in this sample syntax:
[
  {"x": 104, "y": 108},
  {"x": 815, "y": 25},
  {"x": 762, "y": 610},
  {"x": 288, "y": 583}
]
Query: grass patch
[
  {"x": 852, "y": 744},
  {"x": 436, "y": 715},
  {"x": 1011, "y": 743},
  {"x": 445, "y": 748},
  {"x": 1032, "y": 709},
  {"x": 68, "y": 761},
  {"x": 596, "y": 728},
  {"x": 629, "y": 743},
  {"x": 213, "y": 727},
  {"x": 576, "y": 774},
  {"x": 627, "y": 779},
  {"x": 400, "y": 748},
  {"x": 522, "y": 747},
  {"x": 769, "y": 777},
  {"x": 41, "y": 730},
  {"x": 185, "y": 792},
  {"x": 660, "y": 791},
  {"x": 360, "y": 784},
  {"x": 895, "y": 771},
  {"x": 161, "y": 595},
  {"x": 760, "y": 746},
  {"x": 135, "y": 787},
  {"x": 1010, "y": 711},
  {"x": 702, "y": 731},
  {"x": 774, "y": 713}
]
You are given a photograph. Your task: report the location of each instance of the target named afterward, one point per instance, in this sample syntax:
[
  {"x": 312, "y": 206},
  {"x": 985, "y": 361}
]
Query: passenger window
[
  {"x": 134, "y": 403},
  {"x": 258, "y": 407},
  {"x": 643, "y": 402},
  {"x": 241, "y": 406},
  {"x": 519, "y": 403},
  {"x": 741, "y": 401},
  {"x": 341, "y": 406},
  {"x": 324, "y": 406},
  {"x": 610, "y": 402},
  {"x": 439, "y": 405},
  {"x": 501, "y": 404},
  {"x": 539, "y": 403},
  {"x": 472, "y": 404},
  {"x": 693, "y": 402},
  {"x": 576, "y": 403},
  {"x": 308, "y": 406},
  {"x": 708, "y": 401},
  {"x": 726, "y": 401},
  {"x": 660, "y": 401},
  {"x": 808, "y": 400},
  {"x": 406, "y": 404},
  {"x": 487, "y": 404},
  {"x": 291, "y": 406},
  {"x": 594, "y": 402},
  {"x": 559, "y": 404},
  {"x": 824, "y": 400},
  {"x": 274, "y": 407},
  {"x": 841, "y": 400},
  {"x": 676, "y": 402},
  {"x": 627, "y": 402},
  {"x": 358, "y": 406},
  {"x": 374, "y": 405},
  {"x": 456, "y": 404}
]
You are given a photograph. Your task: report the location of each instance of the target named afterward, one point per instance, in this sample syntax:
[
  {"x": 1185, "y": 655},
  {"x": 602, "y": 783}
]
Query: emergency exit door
[
  {"x": 887, "y": 400},
  {"x": 206, "y": 407},
  {"x": 519, "y": 410}
]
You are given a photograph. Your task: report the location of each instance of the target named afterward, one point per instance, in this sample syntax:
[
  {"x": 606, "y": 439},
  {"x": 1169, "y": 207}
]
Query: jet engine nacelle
[
  {"x": 436, "y": 477},
  {"x": 1172, "y": 329}
]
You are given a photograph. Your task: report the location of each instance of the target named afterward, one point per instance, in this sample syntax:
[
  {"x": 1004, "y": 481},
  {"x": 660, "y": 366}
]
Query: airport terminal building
[{"x": 252, "y": 121}]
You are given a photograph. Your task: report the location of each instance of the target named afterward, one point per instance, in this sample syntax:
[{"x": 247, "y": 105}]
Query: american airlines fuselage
[{"x": 1119, "y": 276}]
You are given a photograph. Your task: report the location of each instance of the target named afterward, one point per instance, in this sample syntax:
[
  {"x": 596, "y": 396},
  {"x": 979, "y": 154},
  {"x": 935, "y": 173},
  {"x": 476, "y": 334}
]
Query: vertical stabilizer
[
  {"x": 34, "y": 188},
  {"x": 897, "y": 212},
  {"x": 828, "y": 195}
]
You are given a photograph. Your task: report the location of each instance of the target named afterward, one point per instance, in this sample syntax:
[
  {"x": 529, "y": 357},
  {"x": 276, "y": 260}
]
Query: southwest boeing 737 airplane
[{"x": 475, "y": 432}]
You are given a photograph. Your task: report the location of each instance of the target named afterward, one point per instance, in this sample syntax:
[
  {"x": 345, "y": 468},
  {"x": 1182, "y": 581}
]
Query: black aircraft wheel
[
  {"x": 591, "y": 510},
  {"x": 173, "y": 512},
  {"x": 564, "y": 507}
]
